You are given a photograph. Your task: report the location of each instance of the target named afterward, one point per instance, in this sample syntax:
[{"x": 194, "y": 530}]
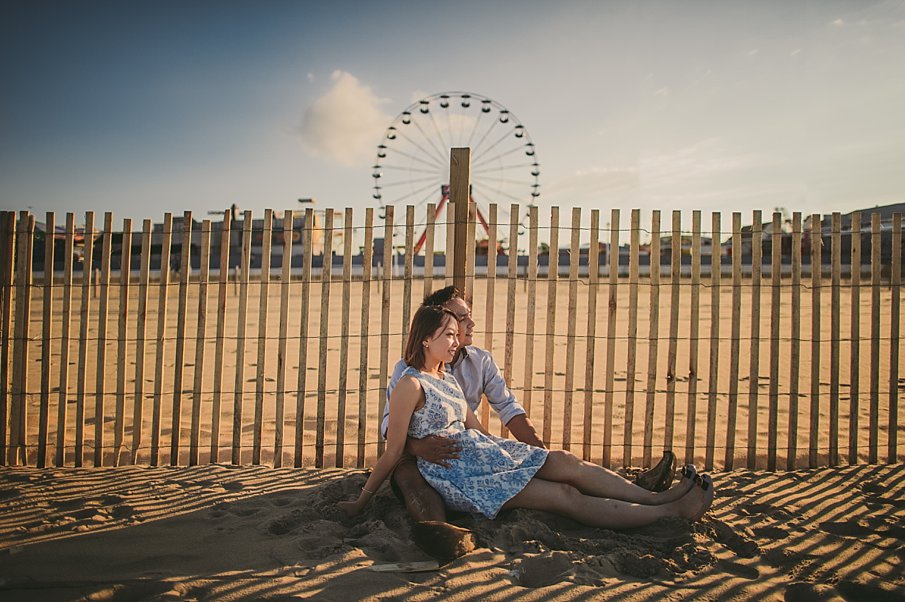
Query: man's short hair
[{"x": 443, "y": 296}]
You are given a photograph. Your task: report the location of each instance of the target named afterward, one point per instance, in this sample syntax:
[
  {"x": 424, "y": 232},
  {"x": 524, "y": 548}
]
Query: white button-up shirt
[{"x": 477, "y": 374}]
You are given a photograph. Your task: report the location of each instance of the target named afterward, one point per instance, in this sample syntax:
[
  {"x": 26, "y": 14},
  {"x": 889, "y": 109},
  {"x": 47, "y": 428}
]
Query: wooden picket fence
[{"x": 569, "y": 330}]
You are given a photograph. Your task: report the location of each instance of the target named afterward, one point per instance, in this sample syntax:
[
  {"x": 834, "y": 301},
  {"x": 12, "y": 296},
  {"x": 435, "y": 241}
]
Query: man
[{"x": 478, "y": 375}]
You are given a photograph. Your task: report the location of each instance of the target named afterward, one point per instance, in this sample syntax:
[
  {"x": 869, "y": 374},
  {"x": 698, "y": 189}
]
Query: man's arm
[{"x": 520, "y": 426}]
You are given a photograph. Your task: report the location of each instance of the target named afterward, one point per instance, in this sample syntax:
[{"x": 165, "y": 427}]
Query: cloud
[{"x": 345, "y": 124}]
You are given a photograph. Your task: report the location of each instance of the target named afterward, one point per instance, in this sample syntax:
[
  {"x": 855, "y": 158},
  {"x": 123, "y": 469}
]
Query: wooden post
[
  {"x": 185, "y": 271},
  {"x": 385, "y": 318},
  {"x": 459, "y": 192},
  {"x": 282, "y": 352},
  {"x": 552, "y": 278},
  {"x": 18, "y": 448},
  {"x": 532, "y": 306},
  {"x": 220, "y": 348},
  {"x": 326, "y": 279},
  {"x": 344, "y": 336},
  {"x": 125, "y": 263},
  {"x": 775, "y": 320},
  {"x": 66, "y": 333},
  {"x": 104, "y": 283},
  {"x": 855, "y": 345},
  {"x": 7, "y": 272},
  {"x": 574, "y": 259},
  {"x": 140, "y": 334},
  {"x": 238, "y": 401},
  {"x": 261, "y": 368},
  {"x": 754, "y": 355},
  {"x": 450, "y": 241},
  {"x": 429, "y": 236},
  {"x": 510, "y": 299},
  {"x": 795, "y": 351},
  {"x": 694, "y": 336},
  {"x": 491, "y": 283},
  {"x": 307, "y": 252},
  {"x": 835, "y": 328},
  {"x": 200, "y": 340},
  {"x": 365, "y": 322},
  {"x": 716, "y": 270},
  {"x": 876, "y": 268},
  {"x": 675, "y": 275},
  {"x": 408, "y": 271},
  {"x": 894, "y": 315},
  {"x": 634, "y": 245},
  {"x": 653, "y": 338},
  {"x": 816, "y": 265},
  {"x": 47, "y": 331},
  {"x": 613, "y": 281},
  {"x": 591, "y": 339},
  {"x": 735, "y": 343},
  {"x": 87, "y": 259}
]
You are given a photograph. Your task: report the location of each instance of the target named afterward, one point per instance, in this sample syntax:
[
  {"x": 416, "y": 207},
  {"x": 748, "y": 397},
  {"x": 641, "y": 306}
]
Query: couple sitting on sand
[{"x": 438, "y": 454}]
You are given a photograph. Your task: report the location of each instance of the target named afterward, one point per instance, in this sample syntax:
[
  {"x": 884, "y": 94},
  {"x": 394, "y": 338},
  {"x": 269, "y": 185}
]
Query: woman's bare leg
[
  {"x": 561, "y": 498},
  {"x": 597, "y": 481}
]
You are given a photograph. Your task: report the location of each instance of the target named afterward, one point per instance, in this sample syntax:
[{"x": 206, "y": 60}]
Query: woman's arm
[
  {"x": 472, "y": 422},
  {"x": 405, "y": 398}
]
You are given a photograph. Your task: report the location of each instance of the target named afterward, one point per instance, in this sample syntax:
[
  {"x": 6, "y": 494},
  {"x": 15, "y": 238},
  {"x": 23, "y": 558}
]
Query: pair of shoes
[{"x": 660, "y": 477}]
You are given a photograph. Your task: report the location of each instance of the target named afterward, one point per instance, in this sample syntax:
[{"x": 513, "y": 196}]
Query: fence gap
[
  {"x": 735, "y": 343},
  {"x": 238, "y": 400},
  {"x": 634, "y": 249},
  {"x": 694, "y": 335},
  {"x": 125, "y": 273},
  {"x": 326, "y": 280},
  {"x": 795, "y": 342},
  {"x": 344, "y": 338},
  {"x": 307, "y": 254},
  {"x": 713, "y": 380},
  {"x": 87, "y": 260},
  {"x": 385, "y": 314},
  {"x": 574, "y": 260},
  {"x": 510, "y": 299},
  {"x": 47, "y": 332},
  {"x": 675, "y": 275},
  {"x": 532, "y": 305},
  {"x": 775, "y": 319},
  {"x": 591, "y": 338},
  {"x": 220, "y": 348},
  {"x": 894, "y": 315},
  {"x": 65, "y": 334},
  {"x": 855, "y": 348},
  {"x": 612, "y": 292},
  {"x": 552, "y": 278},
  {"x": 197, "y": 392},
  {"x": 185, "y": 272},
  {"x": 140, "y": 336},
  {"x": 365, "y": 323}
]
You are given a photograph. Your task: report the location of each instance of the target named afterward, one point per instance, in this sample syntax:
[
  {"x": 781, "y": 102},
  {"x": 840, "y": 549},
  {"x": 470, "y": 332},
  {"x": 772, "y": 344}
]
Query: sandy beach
[{"x": 244, "y": 533}]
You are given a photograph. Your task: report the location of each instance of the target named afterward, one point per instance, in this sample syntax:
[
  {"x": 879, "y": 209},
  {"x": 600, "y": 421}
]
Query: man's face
[{"x": 463, "y": 314}]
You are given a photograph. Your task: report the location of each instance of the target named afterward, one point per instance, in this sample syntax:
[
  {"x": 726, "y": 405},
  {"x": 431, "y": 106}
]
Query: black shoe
[{"x": 660, "y": 477}]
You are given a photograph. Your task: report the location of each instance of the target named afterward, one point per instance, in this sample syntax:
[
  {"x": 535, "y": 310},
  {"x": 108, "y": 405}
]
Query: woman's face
[{"x": 443, "y": 343}]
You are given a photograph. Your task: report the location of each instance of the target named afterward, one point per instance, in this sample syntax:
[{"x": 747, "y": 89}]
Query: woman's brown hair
[{"x": 428, "y": 319}]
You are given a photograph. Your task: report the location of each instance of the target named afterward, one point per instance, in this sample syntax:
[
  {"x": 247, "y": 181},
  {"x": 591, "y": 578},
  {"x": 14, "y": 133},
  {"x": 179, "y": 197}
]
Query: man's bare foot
[{"x": 443, "y": 541}]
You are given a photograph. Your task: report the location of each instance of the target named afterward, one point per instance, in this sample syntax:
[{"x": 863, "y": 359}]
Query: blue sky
[{"x": 144, "y": 107}]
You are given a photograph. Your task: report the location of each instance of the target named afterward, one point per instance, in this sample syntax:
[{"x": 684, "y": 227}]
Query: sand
[{"x": 220, "y": 532}]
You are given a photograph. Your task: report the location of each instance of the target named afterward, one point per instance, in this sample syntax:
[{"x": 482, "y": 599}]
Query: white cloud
[{"x": 345, "y": 124}]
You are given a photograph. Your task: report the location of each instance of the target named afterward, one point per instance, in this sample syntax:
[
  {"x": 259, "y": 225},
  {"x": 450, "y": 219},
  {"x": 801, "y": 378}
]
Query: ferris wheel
[{"x": 412, "y": 165}]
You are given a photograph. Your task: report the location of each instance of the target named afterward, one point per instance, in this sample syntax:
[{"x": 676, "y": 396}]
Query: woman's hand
[{"x": 351, "y": 508}]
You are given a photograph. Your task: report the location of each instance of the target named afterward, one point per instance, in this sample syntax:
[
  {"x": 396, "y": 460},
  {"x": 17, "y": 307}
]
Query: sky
[{"x": 141, "y": 107}]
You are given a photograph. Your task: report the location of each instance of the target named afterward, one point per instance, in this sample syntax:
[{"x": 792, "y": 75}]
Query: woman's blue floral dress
[{"x": 489, "y": 470}]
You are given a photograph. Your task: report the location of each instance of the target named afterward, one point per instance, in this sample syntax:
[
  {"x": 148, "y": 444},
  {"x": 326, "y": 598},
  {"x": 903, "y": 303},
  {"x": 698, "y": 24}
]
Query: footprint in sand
[
  {"x": 738, "y": 569},
  {"x": 733, "y": 538},
  {"x": 541, "y": 570},
  {"x": 802, "y": 591},
  {"x": 853, "y": 591},
  {"x": 846, "y": 528},
  {"x": 770, "y": 532}
]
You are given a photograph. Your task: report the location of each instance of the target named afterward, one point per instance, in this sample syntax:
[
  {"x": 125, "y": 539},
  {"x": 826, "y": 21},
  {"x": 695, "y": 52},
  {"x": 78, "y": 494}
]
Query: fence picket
[
  {"x": 307, "y": 253},
  {"x": 282, "y": 351},
  {"x": 185, "y": 272},
  {"x": 612, "y": 283},
  {"x": 85, "y": 310},
  {"x": 429, "y": 236},
  {"x": 713, "y": 380},
  {"x": 795, "y": 344},
  {"x": 775, "y": 318},
  {"x": 876, "y": 268},
  {"x": 675, "y": 275},
  {"x": 634, "y": 249},
  {"x": 754, "y": 355},
  {"x": 198, "y": 388},
  {"x": 407, "y": 274},
  {"x": 326, "y": 284},
  {"x": 220, "y": 346},
  {"x": 344, "y": 338},
  {"x": 855, "y": 348},
  {"x": 140, "y": 335},
  {"x": 385, "y": 307},
  {"x": 894, "y": 316},
  {"x": 239, "y": 395},
  {"x": 835, "y": 327},
  {"x": 65, "y": 334},
  {"x": 7, "y": 281},
  {"x": 47, "y": 337},
  {"x": 574, "y": 260},
  {"x": 532, "y": 308},
  {"x": 260, "y": 368},
  {"x": 694, "y": 335},
  {"x": 591, "y": 338},
  {"x": 365, "y": 322},
  {"x": 552, "y": 278},
  {"x": 510, "y": 298},
  {"x": 735, "y": 342},
  {"x": 816, "y": 268},
  {"x": 653, "y": 338},
  {"x": 125, "y": 272}
]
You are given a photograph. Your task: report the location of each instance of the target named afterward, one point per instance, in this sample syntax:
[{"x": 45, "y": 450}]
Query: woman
[{"x": 492, "y": 474}]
